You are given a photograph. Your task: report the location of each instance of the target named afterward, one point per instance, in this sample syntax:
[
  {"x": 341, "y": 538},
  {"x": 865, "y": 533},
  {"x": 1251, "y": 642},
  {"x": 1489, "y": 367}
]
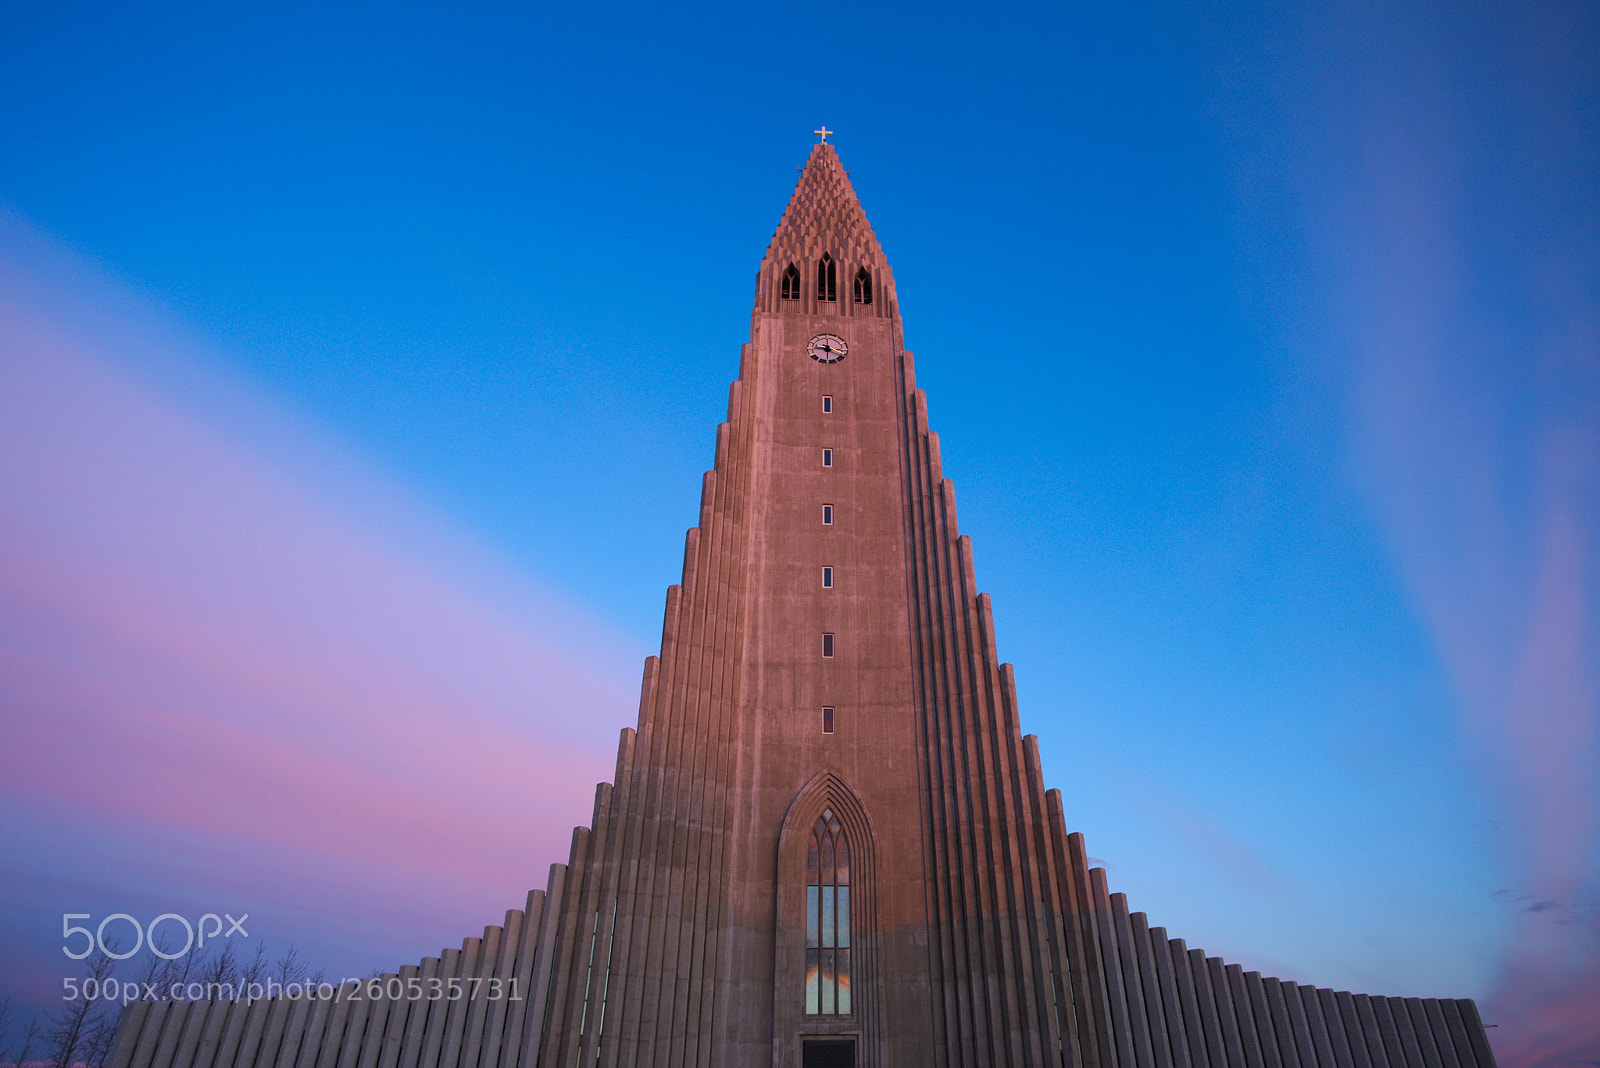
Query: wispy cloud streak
[
  {"x": 1459, "y": 232},
  {"x": 221, "y": 634}
]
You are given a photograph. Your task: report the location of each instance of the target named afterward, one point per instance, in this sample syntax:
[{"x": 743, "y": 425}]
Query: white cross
[{"x": 823, "y": 133}]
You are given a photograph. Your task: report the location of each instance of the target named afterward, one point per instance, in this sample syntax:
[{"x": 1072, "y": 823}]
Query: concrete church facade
[{"x": 827, "y": 841}]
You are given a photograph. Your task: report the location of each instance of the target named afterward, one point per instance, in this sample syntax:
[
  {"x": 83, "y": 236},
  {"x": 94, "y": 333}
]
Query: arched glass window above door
[{"x": 828, "y": 918}]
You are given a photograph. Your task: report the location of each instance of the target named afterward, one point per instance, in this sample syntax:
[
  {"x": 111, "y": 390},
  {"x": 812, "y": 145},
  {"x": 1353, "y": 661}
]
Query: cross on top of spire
[{"x": 823, "y": 216}]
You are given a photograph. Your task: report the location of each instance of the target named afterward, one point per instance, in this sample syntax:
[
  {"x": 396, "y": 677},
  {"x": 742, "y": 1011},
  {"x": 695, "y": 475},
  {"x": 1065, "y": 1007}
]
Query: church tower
[{"x": 827, "y": 841}]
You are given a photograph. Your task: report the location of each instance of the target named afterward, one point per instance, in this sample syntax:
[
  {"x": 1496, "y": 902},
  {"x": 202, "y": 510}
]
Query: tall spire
[{"x": 824, "y": 217}]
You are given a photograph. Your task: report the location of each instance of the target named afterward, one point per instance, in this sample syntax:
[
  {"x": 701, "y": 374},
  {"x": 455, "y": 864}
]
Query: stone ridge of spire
[{"x": 824, "y": 215}]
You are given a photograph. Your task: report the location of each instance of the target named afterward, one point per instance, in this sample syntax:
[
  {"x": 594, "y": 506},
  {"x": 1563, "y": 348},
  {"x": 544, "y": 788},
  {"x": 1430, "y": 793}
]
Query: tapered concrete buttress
[
  {"x": 285, "y": 1038},
  {"x": 205, "y": 1055},
  {"x": 150, "y": 1034},
  {"x": 1321, "y": 1041},
  {"x": 1217, "y": 1051},
  {"x": 1174, "y": 966}
]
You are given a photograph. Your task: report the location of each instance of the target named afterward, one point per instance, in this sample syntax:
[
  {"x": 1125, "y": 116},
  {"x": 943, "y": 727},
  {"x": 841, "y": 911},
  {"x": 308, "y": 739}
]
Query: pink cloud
[
  {"x": 1482, "y": 463},
  {"x": 220, "y": 633},
  {"x": 1546, "y": 1014},
  {"x": 1224, "y": 851}
]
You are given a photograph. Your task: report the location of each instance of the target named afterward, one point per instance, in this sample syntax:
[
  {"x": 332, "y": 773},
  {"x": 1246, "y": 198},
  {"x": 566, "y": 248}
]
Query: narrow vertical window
[
  {"x": 827, "y": 645},
  {"x": 827, "y": 515},
  {"x": 827, "y": 405},
  {"x": 863, "y": 287},
  {"x": 827, "y": 278},
  {"x": 827, "y": 457},
  {"x": 791, "y": 283},
  {"x": 827, "y": 578},
  {"x": 827, "y": 719},
  {"x": 828, "y": 918}
]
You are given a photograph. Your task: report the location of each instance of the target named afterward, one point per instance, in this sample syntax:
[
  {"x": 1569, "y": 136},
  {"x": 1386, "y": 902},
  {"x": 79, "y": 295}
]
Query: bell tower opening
[
  {"x": 863, "y": 287},
  {"x": 827, "y": 278}
]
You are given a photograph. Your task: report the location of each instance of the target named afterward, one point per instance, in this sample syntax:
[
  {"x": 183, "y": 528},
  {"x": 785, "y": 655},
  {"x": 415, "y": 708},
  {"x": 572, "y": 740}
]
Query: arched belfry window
[
  {"x": 827, "y": 278},
  {"x": 791, "y": 283},
  {"x": 828, "y": 918},
  {"x": 863, "y": 288}
]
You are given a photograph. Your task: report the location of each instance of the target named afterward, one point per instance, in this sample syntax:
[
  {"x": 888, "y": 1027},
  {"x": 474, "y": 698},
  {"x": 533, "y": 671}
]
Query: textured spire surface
[
  {"x": 824, "y": 218},
  {"x": 824, "y": 215}
]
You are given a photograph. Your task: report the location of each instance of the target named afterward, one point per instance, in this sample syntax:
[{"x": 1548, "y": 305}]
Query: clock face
[{"x": 827, "y": 348}]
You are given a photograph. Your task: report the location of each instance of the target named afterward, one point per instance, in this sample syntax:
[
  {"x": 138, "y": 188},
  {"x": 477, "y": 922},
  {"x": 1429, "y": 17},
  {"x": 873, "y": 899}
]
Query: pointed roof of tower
[{"x": 824, "y": 216}]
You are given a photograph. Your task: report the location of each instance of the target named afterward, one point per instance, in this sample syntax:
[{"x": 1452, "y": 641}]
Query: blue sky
[{"x": 347, "y": 343}]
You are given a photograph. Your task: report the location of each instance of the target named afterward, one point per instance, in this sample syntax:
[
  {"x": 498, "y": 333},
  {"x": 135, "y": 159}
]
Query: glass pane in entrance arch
[{"x": 828, "y": 1053}]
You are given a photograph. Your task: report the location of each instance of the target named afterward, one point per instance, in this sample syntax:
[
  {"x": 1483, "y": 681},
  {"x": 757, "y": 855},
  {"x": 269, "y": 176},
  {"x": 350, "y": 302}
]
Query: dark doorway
[{"x": 828, "y": 1053}]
